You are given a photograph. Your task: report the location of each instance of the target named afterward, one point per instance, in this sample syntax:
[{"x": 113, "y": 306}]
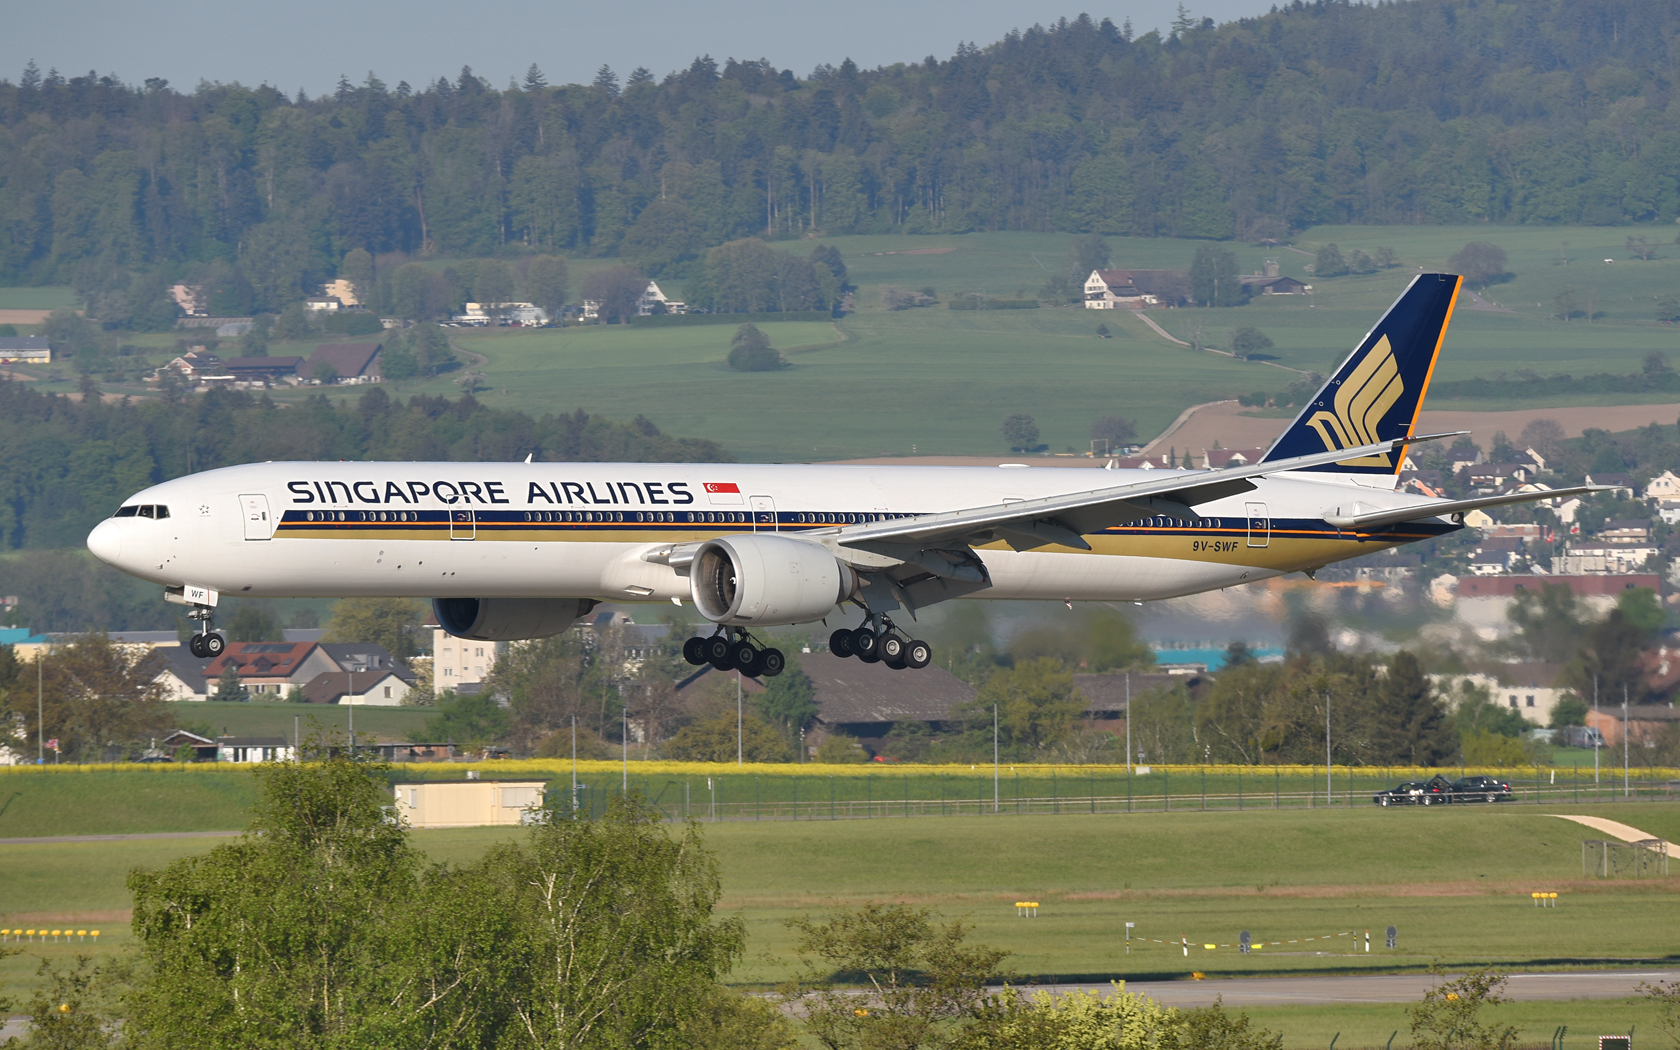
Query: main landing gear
[
  {"x": 881, "y": 644},
  {"x": 208, "y": 643},
  {"x": 732, "y": 649}
]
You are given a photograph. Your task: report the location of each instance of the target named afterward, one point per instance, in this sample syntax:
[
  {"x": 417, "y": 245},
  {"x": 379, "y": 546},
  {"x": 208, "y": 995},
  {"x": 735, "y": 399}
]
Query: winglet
[{"x": 1378, "y": 391}]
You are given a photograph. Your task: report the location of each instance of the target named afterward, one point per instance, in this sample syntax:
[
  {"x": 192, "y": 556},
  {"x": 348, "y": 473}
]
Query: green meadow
[
  {"x": 938, "y": 381},
  {"x": 1454, "y": 882}
]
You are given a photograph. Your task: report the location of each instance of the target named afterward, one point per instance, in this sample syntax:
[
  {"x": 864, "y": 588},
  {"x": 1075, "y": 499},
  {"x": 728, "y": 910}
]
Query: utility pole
[
  {"x": 1625, "y": 734},
  {"x": 995, "y": 806},
  {"x": 624, "y": 742},
  {"x": 1128, "y": 724},
  {"x": 1597, "y": 735},
  {"x": 574, "y": 766},
  {"x": 738, "y": 747},
  {"x": 1327, "y": 766},
  {"x": 40, "y": 709},
  {"x": 350, "y": 687}
]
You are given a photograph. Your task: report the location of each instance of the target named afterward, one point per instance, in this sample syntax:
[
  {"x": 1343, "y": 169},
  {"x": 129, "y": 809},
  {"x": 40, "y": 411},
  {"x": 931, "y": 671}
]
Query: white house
[
  {"x": 525, "y": 315},
  {"x": 1526, "y": 688},
  {"x": 652, "y": 301},
  {"x": 254, "y": 749},
  {"x": 1599, "y": 557},
  {"x": 357, "y": 688}
]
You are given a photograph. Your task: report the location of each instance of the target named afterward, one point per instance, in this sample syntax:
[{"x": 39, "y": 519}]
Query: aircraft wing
[
  {"x": 1373, "y": 519},
  {"x": 1033, "y": 523}
]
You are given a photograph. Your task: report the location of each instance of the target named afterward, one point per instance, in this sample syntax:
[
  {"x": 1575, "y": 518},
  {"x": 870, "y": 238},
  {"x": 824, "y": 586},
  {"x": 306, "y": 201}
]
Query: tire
[
  {"x": 1492, "y": 797},
  {"x": 1383, "y": 802},
  {"x": 717, "y": 653},
  {"x": 195, "y": 645},
  {"x": 1428, "y": 801},
  {"x": 918, "y": 655},
  {"x": 752, "y": 666},
  {"x": 214, "y": 644},
  {"x": 743, "y": 656},
  {"x": 694, "y": 651},
  {"x": 840, "y": 643},
  {"x": 897, "y": 663},
  {"x": 772, "y": 661},
  {"x": 866, "y": 644},
  {"x": 892, "y": 650}
]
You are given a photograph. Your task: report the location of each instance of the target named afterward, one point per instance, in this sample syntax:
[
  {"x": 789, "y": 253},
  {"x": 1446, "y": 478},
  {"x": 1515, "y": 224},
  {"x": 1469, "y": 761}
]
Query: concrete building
[
  {"x": 1527, "y": 688},
  {"x": 254, "y": 749},
  {"x": 1483, "y": 601},
  {"x": 467, "y": 803}
]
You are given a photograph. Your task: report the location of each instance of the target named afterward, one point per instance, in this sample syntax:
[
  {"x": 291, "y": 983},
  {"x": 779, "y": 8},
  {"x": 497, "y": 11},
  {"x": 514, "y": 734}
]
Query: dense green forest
[{"x": 1424, "y": 111}]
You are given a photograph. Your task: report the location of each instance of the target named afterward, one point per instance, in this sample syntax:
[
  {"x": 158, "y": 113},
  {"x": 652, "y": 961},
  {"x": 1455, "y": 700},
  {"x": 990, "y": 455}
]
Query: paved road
[
  {"x": 118, "y": 838},
  {"x": 1384, "y": 988}
]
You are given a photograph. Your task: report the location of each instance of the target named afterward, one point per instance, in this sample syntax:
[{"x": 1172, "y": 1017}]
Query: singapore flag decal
[{"x": 723, "y": 493}]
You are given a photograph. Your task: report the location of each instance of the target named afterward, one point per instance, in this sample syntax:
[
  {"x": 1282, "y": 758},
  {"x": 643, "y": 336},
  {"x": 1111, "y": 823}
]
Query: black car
[
  {"x": 1480, "y": 789},
  {"x": 1415, "y": 793}
]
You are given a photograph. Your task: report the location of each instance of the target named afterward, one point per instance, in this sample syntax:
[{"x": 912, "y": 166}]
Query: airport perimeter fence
[{"x": 885, "y": 795}]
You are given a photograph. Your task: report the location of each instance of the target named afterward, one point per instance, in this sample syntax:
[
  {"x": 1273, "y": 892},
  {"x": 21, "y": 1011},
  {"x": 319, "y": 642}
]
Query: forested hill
[
  {"x": 71, "y": 462},
  {"x": 1420, "y": 111}
]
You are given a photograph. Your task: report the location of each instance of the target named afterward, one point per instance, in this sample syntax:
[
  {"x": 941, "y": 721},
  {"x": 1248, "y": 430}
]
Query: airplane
[{"x": 510, "y": 551}]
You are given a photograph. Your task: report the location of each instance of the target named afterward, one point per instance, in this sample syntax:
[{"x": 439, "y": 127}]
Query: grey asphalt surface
[
  {"x": 1384, "y": 988},
  {"x": 1283, "y": 991},
  {"x": 118, "y": 838}
]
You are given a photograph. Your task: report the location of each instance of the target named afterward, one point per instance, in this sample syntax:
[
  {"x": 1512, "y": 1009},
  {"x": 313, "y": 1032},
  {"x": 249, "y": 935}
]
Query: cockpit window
[{"x": 143, "y": 510}]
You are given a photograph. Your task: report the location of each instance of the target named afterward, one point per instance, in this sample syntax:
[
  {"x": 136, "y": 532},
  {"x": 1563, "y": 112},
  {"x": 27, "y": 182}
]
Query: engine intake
[
  {"x": 509, "y": 619},
  {"x": 767, "y": 580}
]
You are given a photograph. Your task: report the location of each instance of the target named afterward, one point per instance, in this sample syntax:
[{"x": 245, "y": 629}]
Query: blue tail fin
[{"x": 1376, "y": 394}]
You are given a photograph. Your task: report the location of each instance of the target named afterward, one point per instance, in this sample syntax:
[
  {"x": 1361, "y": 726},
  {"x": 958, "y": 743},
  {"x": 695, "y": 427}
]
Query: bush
[
  {"x": 1480, "y": 263},
  {"x": 841, "y": 750},
  {"x": 750, "y": 351}
]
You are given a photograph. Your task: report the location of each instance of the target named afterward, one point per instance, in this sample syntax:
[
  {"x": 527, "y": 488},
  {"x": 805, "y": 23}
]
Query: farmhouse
[
  {"x": 345, "y": 363},
  {"x": 1134, "y": 289},
  {"x": 1275, "y": 285},
  {"x": 25, "y": 350},
  {"x": 864, "y": 700}
]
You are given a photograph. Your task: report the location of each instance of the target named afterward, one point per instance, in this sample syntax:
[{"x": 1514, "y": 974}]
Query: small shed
[{"x": 467, "y": 803}]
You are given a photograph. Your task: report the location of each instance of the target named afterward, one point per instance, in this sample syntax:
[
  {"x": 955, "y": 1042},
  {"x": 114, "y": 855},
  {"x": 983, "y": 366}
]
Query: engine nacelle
[
  {"x": 766, "y": 580},
  {"x": 509, "y": 619}
]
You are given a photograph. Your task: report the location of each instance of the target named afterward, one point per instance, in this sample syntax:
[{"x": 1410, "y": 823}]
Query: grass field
[
  {"x": 373, "y": 724},
  {"x": 937, "y": 381},
  {"x": 47, "y": 297},
  {"x": 1455, "y": 883}
]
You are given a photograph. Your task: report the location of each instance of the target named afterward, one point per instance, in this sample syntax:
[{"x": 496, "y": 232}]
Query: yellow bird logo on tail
[{"x": 1361, "y": 403}]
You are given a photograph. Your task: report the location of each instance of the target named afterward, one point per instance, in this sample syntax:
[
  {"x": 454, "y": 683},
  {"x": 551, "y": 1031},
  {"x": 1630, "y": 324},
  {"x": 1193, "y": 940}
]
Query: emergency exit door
[
  {"x": 1259, "y": 525},
  {"x": 764, "y": 514}
]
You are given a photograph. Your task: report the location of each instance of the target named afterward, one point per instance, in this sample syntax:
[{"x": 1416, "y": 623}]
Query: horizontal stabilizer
[{"x": 1359, "y": 522}]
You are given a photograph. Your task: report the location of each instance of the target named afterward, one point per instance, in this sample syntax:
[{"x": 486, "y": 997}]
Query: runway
[{"x": 1384, "y": 988}]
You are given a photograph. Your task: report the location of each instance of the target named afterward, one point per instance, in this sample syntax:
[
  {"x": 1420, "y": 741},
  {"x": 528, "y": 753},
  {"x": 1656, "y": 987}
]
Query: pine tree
[
  {"x": 229, "y": 689},
  {"x": 534, "y": 79},
  {"x": 1412, "y": 725}
]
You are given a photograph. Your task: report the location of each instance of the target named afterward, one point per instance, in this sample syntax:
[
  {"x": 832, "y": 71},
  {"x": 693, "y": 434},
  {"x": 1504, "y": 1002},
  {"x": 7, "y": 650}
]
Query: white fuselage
[{"x": 585, "y": 529}]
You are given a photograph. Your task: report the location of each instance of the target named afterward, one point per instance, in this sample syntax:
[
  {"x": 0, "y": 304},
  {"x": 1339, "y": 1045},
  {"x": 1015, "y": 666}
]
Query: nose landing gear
[
  {"x": 208, "y": 643},
  {"x": 732, "y": 649},
  {"x": 881, "y": 644}
]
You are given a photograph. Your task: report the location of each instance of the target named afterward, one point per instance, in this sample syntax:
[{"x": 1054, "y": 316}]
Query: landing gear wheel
[
  {"x": 195, "y": 645},
  {"x": 895, "y": 662},
  {"x": 771, "y": 662},
  {"x": 718, "y": 653},
  {"x": 744, "y": 656},
  {"x": 840, "y": 643},
  {"x": 918, "y": 654},
  {"x": 892, "y": 650},
  {"x": 213, "y": 645},
  {"x": 694, "y": 651},
  {"x": 866, "y": 644}
]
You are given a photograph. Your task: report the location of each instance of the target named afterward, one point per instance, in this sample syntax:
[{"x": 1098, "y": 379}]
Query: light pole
[
  {"x": 995, "y": 758},
  {"x": 1625, "y": 792},
  {"x": 40, "y": 709},
  {"x": 738, "y": 747},
  {"x": 624, "y": 743},
  {"x": 574, "y": 766},
  {"x": 1128, "y": 725},
  {"x": 1327, "y": 766}
]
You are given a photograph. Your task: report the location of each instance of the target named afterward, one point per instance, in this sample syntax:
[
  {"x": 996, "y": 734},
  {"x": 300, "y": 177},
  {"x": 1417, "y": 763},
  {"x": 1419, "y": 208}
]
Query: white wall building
[{"x": 460, "y": 661}]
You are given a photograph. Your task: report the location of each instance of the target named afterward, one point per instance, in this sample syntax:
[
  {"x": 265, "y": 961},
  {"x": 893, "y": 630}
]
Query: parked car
[
  {"x": 1480, "y": 789},
  {"x": 1403, "y": 794}
]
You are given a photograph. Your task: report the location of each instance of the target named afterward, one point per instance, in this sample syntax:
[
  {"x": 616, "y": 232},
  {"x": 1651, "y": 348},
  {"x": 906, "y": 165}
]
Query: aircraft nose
[{"x": 105, "y": 541}]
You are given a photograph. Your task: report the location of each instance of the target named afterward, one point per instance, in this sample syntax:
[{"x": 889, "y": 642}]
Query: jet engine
[
  {"x": 765, "y": 579},
  {"x": 509, "y": 619}
]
